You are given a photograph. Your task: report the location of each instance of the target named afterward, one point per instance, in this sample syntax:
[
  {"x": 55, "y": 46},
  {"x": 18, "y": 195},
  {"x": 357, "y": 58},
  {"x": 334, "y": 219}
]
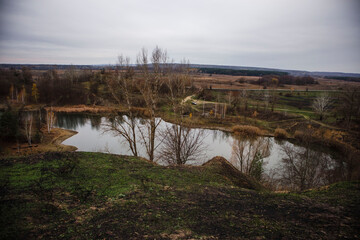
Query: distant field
[{"x": 217, "y": 81}]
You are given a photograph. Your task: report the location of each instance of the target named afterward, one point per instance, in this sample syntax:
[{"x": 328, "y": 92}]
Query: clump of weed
[
  {"x": 299, "y": 134},
  {"x": 280, "y": 133},
  {"x": 246, "y": 130}
]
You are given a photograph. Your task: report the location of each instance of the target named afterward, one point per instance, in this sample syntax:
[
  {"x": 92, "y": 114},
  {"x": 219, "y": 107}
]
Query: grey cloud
[{"x": 310, "y": 35}]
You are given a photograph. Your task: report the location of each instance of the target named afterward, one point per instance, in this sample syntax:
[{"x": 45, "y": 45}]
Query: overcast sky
[{"x": 315, "y": 35}]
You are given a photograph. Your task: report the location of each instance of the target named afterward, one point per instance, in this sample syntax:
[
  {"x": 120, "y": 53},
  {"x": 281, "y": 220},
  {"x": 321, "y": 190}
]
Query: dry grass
[
  {"x": 298, "y": 134},
  {"x": 82, "y": 109},
  {"x": 247, "y": 130},
  {"x": 280, "y": 133},
  {"x": 230, "y": 82}
]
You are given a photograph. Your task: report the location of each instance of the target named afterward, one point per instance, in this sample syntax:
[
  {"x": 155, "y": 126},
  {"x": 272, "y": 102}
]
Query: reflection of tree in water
[
  {"x": 180, "y": 144},
  {"x": 214, "y": 135},
  {"x": 95, "y": 121},
  {"x": 248, "y": 154},
  {"x": 126, "y": 127},
  {"x": 303, "y": 168},
  {"x": 217, "y": 134},
  {"x": 70, "y": 121}
]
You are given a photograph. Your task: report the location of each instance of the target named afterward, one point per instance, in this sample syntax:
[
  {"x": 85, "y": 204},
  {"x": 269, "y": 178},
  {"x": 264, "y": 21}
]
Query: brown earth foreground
[{"x": 102, "y": 196}]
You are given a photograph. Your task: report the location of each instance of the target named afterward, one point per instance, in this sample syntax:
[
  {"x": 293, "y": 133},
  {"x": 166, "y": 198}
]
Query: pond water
[{"x": 92, "y": 138}]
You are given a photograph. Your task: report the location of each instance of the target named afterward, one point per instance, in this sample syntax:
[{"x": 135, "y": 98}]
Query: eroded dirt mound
[{"x": 221, "y": 166}]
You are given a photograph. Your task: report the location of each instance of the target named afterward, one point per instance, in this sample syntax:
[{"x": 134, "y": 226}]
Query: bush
[
  {"x": 299, "y": 134},
  {"x": 246, "y": 130},
  {"x": 280, "y": 133}
]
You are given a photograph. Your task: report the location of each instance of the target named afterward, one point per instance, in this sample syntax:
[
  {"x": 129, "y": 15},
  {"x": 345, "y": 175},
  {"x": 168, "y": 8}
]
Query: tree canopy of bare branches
[
  {"x": 153, "y": 75},
  {"x": 180, "y": 144},
  {"x": 350, "y": 104},
  {"x": 121, "y": 86},
  {"x": 321, "y": 104}
]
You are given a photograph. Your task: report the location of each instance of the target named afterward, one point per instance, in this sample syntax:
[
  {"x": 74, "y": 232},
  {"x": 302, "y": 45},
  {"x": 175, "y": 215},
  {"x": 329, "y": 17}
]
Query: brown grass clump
[
  {"x": 280, "y": 133},
  {"x": 81, "y": 109},
  {"x": 246, "y": 130},
  {"x": 298, "y": 134}
]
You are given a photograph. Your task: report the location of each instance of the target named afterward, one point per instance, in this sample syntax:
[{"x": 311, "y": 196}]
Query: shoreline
[{"x": 51, "y": 142}]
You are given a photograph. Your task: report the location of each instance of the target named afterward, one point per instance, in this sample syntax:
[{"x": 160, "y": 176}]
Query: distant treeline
[
  {"x": 72, "y": 87},
  {"x": 349, "y": 79},
  {"x": 275, "y": 80},
  {"x": 234, "y": 72},
  {"x": 49, "y": 66},
  {"x": 288, "y": 80}
]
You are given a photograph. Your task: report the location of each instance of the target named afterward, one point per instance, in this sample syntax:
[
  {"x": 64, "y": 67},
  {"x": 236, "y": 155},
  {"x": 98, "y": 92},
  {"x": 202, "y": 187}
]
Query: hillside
[{"x": 103, "y": 196}]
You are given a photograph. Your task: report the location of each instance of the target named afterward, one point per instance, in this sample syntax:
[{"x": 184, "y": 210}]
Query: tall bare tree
[
  {"x": 153, "y": 75},
  {"x": 321, "y": 104},
  {"x": 180, "y": 144},
  {"x": 121, "y": 86},
  {"x": 350, "y": 104},
  {"x": 50, "y": 119},
  {"x": 28, "y": 121},
  {"x": 273, "y": 99},
  {"x": 266, "y": 100}
]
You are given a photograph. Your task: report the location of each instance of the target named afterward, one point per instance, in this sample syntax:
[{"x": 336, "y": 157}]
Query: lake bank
[{"x": 50, "y": 142}]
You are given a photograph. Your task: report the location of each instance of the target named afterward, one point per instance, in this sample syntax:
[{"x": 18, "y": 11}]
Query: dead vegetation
[
  {"x": 247, "y": 130},
  {"x": 281, "y": 133},
  {"x": 82, "y": 109}
]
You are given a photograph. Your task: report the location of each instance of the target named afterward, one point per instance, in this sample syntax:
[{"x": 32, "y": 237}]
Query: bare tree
[
  {"x": 322, "y": 104},
  {"x": 244, "y": 99},
  {"x": 121, "y": 87},
  {"x": 28, "y": 120},
  {"x": 273, "y": 99},
  {"x": 180, "y": 144},
  {"x": 152, "y": 77},
  {"x": 50, "y": 119},
  {"x": 350, "y": 104},
  {"x": 248, "y": 154},
  {"x": 266, "y": 100}
]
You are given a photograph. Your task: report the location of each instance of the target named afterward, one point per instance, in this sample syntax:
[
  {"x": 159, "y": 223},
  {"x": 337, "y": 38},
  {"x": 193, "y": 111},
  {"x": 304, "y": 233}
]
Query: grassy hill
[{"x": 103, "y": 196}]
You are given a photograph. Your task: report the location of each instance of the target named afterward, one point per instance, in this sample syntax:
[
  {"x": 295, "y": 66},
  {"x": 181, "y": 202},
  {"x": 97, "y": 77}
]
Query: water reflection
[
  {"x": 245, "y": 154},
  {"x": 71, "y": 121},
  {"x": 248, "y": 154},
  {"x": 95, "y": 121}
]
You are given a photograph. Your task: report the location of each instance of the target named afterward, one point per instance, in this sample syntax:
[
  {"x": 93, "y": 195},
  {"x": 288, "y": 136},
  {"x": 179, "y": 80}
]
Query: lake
[{"x": 92, "y": 138}]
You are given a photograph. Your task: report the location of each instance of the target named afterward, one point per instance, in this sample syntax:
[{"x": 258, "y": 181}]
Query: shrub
[
  {"x": 246, "y": 130},
  {"x": 280, "y": 133},
  {"x": 299, "y": 134}
]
